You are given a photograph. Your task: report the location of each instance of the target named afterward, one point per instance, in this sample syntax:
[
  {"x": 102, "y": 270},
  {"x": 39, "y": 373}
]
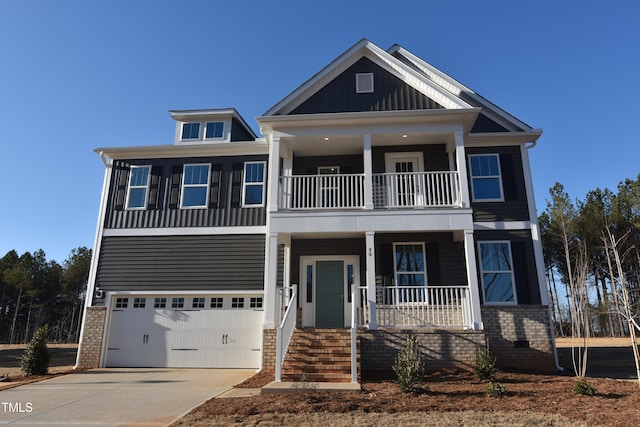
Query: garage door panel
[{"x": 161, "y": 336}]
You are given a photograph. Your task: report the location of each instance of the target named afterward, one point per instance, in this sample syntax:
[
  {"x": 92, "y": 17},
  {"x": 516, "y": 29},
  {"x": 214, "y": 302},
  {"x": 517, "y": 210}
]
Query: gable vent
[{"x": 364, "y": 82}]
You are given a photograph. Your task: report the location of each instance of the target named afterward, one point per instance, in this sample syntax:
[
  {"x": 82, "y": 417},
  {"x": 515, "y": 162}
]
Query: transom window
[
  {"x": 195, "y": 185},
  {"x": 496, "y": 267},
  {"x": 138, "y": 187},
  {"x": 214, "y": 130},
  {"x": 253, "y": 184},
  {"x": 486, "y": 180},
  {"x": 409, "y": 263},
  {"x": 190, "y": 131}
]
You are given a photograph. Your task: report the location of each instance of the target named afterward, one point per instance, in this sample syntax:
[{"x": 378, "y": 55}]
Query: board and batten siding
[
  {"x": 163, "y": 208},
  {"x": 515, "y": 206},
  {"x": 174, "y": 263}
]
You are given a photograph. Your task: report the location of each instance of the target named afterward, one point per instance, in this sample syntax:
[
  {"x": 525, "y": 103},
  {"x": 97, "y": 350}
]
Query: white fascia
[
  {"x": 185, "y": 231},
  {"x": 193, "y": 150},
  {"x": 495, "y": 139}
]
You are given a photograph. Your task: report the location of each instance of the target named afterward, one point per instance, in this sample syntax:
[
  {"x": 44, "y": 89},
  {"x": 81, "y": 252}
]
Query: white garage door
[{"x": 209, "y": 331}]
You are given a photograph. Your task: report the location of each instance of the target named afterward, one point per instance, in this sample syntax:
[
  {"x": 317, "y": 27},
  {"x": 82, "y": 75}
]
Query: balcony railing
[
  {"x": 390, "y": 190},
  {"x": 416, "y": 189},
  {"x": 418, "y": 306}
]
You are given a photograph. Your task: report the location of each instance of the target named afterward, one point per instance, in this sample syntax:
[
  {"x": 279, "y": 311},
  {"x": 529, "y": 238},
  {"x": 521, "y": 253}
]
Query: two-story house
[{"x": 385, "y": 198}]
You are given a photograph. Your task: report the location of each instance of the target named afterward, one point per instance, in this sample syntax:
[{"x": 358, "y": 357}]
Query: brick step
[
  {"x": 309, "y": 358},
  {"x": 319, "y": 348},
  {"x": 327, "y": 378}
]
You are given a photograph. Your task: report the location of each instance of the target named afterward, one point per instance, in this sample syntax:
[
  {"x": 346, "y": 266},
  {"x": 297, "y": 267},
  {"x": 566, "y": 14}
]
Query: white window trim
[
  {"x": 146, "y": 187},
  {"x": 482, "y": 273},
  {"x": 262, "y": 183},
  {"x": 204, "y": 131},
  {"x": 499, "y": 176},
  {"x": 183, "y": 186},
  {"x": 395, "y": 262},
  {"x": 198, "y": 138}
]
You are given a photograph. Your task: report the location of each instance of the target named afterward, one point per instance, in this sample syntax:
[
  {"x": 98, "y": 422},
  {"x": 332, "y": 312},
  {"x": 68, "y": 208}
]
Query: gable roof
[
  {"x": 434, "y": 88},
  {"x": 365, "y": 49}
]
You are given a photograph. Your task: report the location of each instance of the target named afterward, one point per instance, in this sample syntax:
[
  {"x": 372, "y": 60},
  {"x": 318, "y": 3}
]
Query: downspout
[{"x": 552, "y": 332}]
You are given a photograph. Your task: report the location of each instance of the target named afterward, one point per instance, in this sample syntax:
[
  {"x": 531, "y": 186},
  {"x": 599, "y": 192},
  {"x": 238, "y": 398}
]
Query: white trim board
[{"x": 184, "y": 231}]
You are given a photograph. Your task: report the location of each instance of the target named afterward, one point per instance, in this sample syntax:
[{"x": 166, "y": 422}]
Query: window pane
[
  {"x": 309, "y": 283},
  {"x": 196, "y": 174},
  {"x": 497, "y": 287},
  {"x": 137, "y": 197},
  {"x": 253, "y": 195},
  {"x": 139, "y": 176},
  {"x": 194, "y": 196},
  {"x": 486, "y": 188},
  {"x": 495, "y": 257},
  {"x": 190, "y": 130},
  {"x": 410, "y": 279},
  {"x": 214, "y": 130},
  {"x": 409, "y": 258},
  {"x": 254, "y": 172},
  {"x": 484, "y": 165}
]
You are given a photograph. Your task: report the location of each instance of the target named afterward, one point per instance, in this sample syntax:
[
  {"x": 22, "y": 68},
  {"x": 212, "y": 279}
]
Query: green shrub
[
  {"x": 496, "y": 389},
  {"x": 484, "y": 364},
  {"x": 35, "y": 360},
  {"x": 583, "y": 387},
  {"x": 408, "y": 366}
]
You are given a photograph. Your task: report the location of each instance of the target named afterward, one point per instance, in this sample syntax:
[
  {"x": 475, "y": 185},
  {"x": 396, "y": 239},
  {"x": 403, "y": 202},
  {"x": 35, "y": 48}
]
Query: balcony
[{"x": 409, "y": 190}]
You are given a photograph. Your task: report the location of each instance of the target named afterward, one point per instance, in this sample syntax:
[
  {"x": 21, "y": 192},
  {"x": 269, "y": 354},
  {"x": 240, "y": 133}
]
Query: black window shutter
[
  {"x": 154, "y": 187},
  {"x": 122, "y": 179},
  {"x": 520, "y": 273},
  {"x": 433, "y": 264},
  {"x": 174, "y": 194},
  {"x": 508, "y": 179},
  {"x": 214, "y": 188},
  {"x": 386, "y": 262},
  {"x": 236, "y": 185}
]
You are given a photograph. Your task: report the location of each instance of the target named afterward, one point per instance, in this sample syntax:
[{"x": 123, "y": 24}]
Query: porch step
[{"x": 319, "y": 355}]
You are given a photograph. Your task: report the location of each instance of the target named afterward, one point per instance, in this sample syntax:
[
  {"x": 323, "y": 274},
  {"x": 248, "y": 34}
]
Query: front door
[
  {"x": 406, "y": 188},
  {"x": 329, "y": 294},
  {"x": 326, "y": 284}
]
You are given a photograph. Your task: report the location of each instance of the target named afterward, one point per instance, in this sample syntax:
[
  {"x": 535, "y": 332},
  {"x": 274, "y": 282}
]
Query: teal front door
[{"x": 330, "y": 294}]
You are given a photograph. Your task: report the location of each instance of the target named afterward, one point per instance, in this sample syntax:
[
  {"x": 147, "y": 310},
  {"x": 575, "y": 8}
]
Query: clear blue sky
[{"x": 76, "y": 75}]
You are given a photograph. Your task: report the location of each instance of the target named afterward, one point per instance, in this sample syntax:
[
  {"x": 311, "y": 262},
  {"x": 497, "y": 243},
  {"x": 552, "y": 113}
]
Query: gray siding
[
  {"x": 390, "y": 94},
  {"x": 304, "y": 247},
  {"x": 174, "y": 263},
  {"x": 524, "y": 262},
  {"x": 164, "y": 197},
  {"x": 435, "y": 156},
  {"x": 515, "y": 206}
]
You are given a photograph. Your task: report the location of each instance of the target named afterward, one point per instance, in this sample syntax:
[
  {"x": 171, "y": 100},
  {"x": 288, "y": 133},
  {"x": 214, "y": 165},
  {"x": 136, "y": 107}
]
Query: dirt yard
[{"x": 450, "y": 398}]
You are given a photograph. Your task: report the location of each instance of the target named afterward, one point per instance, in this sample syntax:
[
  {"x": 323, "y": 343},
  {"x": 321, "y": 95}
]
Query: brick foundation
[
  {"x": 269, "y": 351},
  {"x": 440, "y": 348},
  {"x": 91, "y": 345},
  {"x": 519, "y": 336}
]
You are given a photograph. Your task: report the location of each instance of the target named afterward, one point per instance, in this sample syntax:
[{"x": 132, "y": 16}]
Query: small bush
[
  {"x": 484, "y": 364},
  {"x": 496, "y": 389},
  {"x": 35, "y": 360},
  {"x": 583, "y": 387},
  {"x": 408, "y": 366}
]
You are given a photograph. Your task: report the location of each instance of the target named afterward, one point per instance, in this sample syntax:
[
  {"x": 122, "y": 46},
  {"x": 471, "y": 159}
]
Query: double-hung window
[
  {"x": 138, "y": 187},
  {"x": 253, "y": 184},
  {"x": 195, "y": 185},
  {"x": 486, "y": 179},
  {"x": 410, "y": 271},
  {"x": 496, "y": 268}
]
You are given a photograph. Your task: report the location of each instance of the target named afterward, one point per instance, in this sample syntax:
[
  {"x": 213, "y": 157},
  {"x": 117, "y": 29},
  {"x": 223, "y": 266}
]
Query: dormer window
[
  {"x": 214, "y": 130},
  {"x": 190, "y": 131}
]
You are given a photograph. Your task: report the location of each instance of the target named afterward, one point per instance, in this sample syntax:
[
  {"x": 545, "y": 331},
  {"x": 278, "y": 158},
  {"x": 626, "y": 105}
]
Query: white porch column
[
  {"x": 461, "y": 160},
  {"x": 368, "y": 173},
  {"x": 274, "y": 175},
  {"x": 371, "y": 278},
  {"x": 287, "y": 170},
  {"x": 472, "y": 279},
  {"x": 270, "y": 281}
]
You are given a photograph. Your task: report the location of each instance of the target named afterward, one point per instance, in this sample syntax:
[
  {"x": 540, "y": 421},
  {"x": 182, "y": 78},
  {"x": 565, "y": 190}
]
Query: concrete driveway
[{"x": 115, "y": 397}]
